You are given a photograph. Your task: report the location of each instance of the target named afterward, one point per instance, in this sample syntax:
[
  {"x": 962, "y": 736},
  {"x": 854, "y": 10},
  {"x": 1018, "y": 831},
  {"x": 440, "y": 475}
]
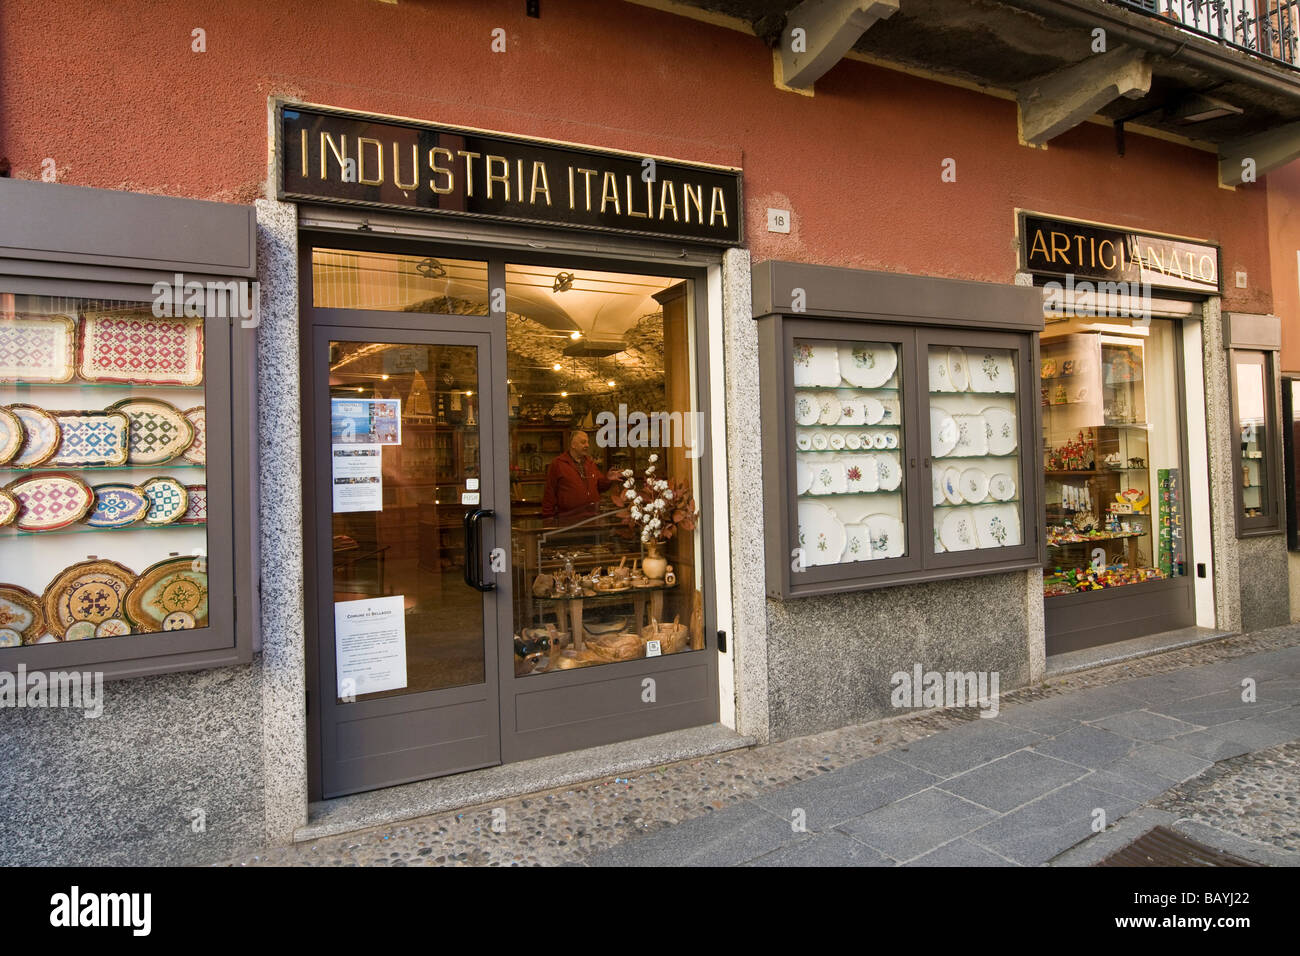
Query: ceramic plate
[
  {"x": 943, "y": 433},
  {"x": 851, "y": 411},
  {"x": 957, "y": 532},
  {"x": 821, "y": 535},
  {"x": 837, "y": 441},
  {"x": 20, "y": 610},
  {"x": 37, "y": 349},
  {"x": 1000, "y": 430},
  {"x": 140, "y": 349},
  {"x": 829, "y": 478},
  {"x": 873, "y": 412},
  {"x": 803, "y": 476},
  {"x": 939, "y": 380},
  {"x": 868, "y": 364},
  {"x": 829, "y": 408},
  {"x": 991, "y": 370},
  {"x": 40, "y": 436},
  {"x": 852, "y": 441},
  {"x": 91, "y": 439},
  {"x": 11, "y": 434},
  {"x": 170, "y": 595},
  {"x": 974, "y": 485},
  {"x": 9, "y": 637},
  {"x": 880, "y": 440},
  {"x": 168, "y": 500},
  {"x": 806, "y": 408},
  {"x": 50, "y": 501},
  {"x": 971, "y": 437},
  {"x": 117, "y": 504},
  {"x": 9, "y": 508},
  {"x": 803, "y": 441},
  {"x": 1002, "y": 487},
  {"x": 197, "y": 453},
  {"x": 857, "y": 543},
  {"x": 861, "y": 474},
  {"x": 938, "y": 545},
  {"x": 820, "y": 441},
  {"x": 886, "y": 536},
  {"x": 112, "y": 627},
  {"x": 891, "y": 411},
  {"x": 952, "y": 485},
  {"x": 91, "y": 591},
  {"x": 816, "y": 364},
  {"x": 937, "y": 497},
  {"x": 159, "y": 432},
  {"x": 998, "y": 526},
  {"x": 887, "y": 468},
  {"x": 957, "y": 373}
]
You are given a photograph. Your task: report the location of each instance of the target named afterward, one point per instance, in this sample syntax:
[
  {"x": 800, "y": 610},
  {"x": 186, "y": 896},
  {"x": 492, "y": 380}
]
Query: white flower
[
  {"x": 653, "y": 459},
  {"x": 626, "y": 484},
  {"x": 668, "y": 495},
  {"x": 645, "y": 536},
  {"x": 627, "y": 472},
  {"x": 636, "y": 513},
  {"x": 637, "y": 499}
]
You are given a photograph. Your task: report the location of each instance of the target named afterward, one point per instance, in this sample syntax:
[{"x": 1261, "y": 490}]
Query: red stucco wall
[
  {"x": 114, "y": 95},
  {"x": 1284, "y": 233}
]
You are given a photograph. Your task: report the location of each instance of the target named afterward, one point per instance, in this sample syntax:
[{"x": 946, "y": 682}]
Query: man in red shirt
[{"x": 573, "y": 485}]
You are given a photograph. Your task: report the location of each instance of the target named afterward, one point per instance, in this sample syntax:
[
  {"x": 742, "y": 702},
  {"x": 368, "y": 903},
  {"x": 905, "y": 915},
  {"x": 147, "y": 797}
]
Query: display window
[
  {"x": 1112, "y": 455},
  {"x": 104, "y": 489},
  {"x": 605, "y": 440},
  {"x": 1256, "y": 464}
]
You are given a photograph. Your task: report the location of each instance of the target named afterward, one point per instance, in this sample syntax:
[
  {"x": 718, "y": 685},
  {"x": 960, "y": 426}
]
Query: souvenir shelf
[
  {"x": 895, "y": 448},
  {"x": 1257, "y": 470},
  {"x": 108, "y": 407}
]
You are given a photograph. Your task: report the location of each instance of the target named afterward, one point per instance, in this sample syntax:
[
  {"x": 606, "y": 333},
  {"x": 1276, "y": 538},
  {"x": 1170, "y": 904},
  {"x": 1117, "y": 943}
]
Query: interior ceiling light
[
  {"x": 563, "y": 282},
  {"x": 431, "y": 268},
  {"x": 596, "y": 347},
  {"x": 556, "y": 367},
  {"x": 575, "y": 335},
  {"x": 1198, "y": 109}
]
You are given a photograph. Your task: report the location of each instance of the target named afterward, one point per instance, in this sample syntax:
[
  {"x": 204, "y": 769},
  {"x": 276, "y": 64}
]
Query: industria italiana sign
[
  {"x": 331, "y": 156},
  {"x": 1062, "y": 247}
]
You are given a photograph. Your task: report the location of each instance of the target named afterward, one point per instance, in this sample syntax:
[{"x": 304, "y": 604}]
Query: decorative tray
[
  {"x": 37, "y": 349},
  {"x": 139, "y": 349}
]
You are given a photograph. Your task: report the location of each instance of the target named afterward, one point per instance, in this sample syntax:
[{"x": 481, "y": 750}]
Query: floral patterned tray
[
  {"x": 40, "y": 436},
  {"x": 141, "y": 349},
  {"x": 50, "y": 501},
  {"x": 168, "y": 500},
  {"x": 37, "y": 349},
  {"x": 197, "y": 453},
  {"x": 169, "y": 596},
  {"x": 11, "y": 435},
  {"x": 159, "y": 432},
  {"x": 197, "y": 511},
  {"x": 84, "y": 596},
  {"x": 117, "y": 505},
  {"x": 9, "y": 507},
  {"x": 21, "y": 614}
]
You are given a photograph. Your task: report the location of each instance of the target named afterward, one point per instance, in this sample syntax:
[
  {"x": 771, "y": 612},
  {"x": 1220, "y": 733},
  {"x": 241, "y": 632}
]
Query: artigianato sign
[
  {"x": 354, "y": 159},
  {"x": 1063, "y": 248}
]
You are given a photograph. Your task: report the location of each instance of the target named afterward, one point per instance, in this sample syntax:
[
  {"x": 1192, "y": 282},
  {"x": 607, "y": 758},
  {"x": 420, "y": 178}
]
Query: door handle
[{"x": 474, "y": 549}]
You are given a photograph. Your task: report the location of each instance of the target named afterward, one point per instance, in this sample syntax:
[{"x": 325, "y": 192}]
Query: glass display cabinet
[{"x": 895, "y": 452}]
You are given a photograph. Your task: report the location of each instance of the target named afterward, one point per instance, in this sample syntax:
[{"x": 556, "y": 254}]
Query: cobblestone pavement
[
  {"x": 1254, "y": 796},
  {"x": 574, "y": 824}
]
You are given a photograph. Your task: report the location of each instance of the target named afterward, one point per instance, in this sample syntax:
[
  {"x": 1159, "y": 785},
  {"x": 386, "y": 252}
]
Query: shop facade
[{"x": 870, "y": 466}]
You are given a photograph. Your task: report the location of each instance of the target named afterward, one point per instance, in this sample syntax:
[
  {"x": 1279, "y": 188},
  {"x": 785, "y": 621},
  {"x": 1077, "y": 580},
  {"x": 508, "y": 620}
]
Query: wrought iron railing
[{"x": 1268, "y": 28}]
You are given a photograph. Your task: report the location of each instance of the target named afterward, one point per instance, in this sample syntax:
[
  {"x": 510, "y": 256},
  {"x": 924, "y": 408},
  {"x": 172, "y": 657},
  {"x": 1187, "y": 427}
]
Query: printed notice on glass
[
  {"x": 358, "y": 477},
  {"x": 370, "y": 645},
  {"x": 366, "y": 421}
]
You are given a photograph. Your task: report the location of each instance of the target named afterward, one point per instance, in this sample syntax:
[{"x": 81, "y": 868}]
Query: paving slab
[
  {"x": 917, "y": 824},
  {"x": 1040, "y": 720},
  {"x": 1138, "y": 785},
  {"x": 1010, "y": 781},
  {"x": 824, "y": 849},
  {"x": 1210, "y": 746},
  {"x": 1038, "y": 831},
  {"x": 830, "y": 798},
  {"x": 963, "y": 748},
  {"x": 1165, "y": 762},
  {"x": 1089, "y": 747},
  {"x": 1144, "y": 725},
  {"x": 960, "y": 853},
  {"x": 1094, "y": 703}
]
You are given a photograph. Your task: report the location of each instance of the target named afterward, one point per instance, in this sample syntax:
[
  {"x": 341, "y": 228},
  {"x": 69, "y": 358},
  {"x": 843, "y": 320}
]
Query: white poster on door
[
  {"x": 370, "y": 645},
  {"x": 358, "y": 477}
]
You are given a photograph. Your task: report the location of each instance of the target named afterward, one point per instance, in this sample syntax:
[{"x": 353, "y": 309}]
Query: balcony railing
[{"x": 1267, "y": 28}]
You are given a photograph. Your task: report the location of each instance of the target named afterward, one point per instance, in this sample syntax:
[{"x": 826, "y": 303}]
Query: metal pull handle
[{"x": 474, "y": 549}]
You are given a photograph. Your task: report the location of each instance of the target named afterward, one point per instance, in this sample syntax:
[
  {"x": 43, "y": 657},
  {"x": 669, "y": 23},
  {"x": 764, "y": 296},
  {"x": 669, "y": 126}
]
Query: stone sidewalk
[{"x": 932, "y": 788}]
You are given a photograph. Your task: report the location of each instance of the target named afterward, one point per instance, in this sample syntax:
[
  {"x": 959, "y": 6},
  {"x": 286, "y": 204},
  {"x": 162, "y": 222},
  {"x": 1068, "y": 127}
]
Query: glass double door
[{"x": 407, "y": 513}]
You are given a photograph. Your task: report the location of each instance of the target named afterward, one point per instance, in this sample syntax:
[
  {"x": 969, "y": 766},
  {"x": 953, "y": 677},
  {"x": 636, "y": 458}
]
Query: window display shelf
[
  {"x": 14, "y": 533},
  {"x": 77, "y": 383},
  {"x": 155, "y": 469}
]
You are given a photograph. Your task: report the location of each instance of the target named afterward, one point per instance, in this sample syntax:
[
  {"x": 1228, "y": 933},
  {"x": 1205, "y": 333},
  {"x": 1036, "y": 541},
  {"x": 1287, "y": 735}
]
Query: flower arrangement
[{"x": 659, "y": 508}]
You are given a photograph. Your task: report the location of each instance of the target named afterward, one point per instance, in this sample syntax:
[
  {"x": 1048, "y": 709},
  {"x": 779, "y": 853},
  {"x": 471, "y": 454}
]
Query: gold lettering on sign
[
  {"x": 586, "y": 180},
  {"x": 1065, "y": 247},
  {"x": 433, "y": 165},
  {"x": 1154, "y": 261},
  {"x": 631, "y": 210},
  {"x": 718, "y": 206},
  {"x": 1078, "y": 244},
  {"x": 1207, "y": 273},
  {"x": 303, "y": 137},
  {"x": 667, "y": 199},
  {"x": 469, "y": 169},
  {"x": 361, "y": 161},
  {"x": 415, "y": 168},
  {"x": 1101, "y": 249},
  {"x": 609, "y": 191},
  {"x": 1039, "y": 245},
  {"x": 693, "y": 194},
  {"x": 571, "y": 196},
  {"x": 519, "y": 180},
  {"x": 339, "y": 154},
  {"x": 502, "y": 177},
  {"x": 539, "y": 175}
]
